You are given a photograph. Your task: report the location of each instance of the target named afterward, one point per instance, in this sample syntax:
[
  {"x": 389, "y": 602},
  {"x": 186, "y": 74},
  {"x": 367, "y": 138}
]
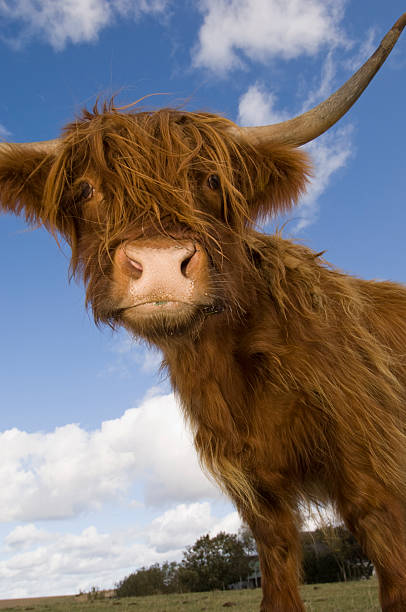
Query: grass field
[{"x": 361, "y": 596}]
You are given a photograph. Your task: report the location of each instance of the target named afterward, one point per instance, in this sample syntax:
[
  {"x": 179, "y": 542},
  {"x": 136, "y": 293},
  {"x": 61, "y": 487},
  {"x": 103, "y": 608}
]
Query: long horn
[
  {"x": 48, "y": 146},
  {"x": 313, "y": 123}
]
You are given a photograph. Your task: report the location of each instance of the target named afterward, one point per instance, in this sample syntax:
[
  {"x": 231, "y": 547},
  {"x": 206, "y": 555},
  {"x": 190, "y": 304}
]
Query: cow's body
[
  {"x": 291, "y": 375},
  {"x": 305, "y": 399}
]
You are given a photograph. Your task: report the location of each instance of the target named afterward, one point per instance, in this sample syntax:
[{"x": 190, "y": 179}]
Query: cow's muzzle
[{"x": 161, "y": 274}]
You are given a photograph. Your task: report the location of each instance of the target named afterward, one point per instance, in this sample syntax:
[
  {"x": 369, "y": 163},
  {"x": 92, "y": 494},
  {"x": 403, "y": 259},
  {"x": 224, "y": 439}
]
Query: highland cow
[{"x": 291, "y": 374}]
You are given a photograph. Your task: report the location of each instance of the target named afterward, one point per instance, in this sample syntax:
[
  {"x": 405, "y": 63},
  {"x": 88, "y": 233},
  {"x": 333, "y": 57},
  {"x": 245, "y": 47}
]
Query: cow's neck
[
  {"x": 206, "y": 369},
  {"x": 212, "y": 385}
]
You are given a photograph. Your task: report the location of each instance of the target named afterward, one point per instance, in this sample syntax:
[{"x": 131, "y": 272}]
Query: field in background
[{"x": 360, "y": 596}]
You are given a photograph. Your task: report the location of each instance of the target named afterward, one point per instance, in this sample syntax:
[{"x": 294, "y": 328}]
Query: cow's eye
[
  {"x": 85, "y": 192},
  {"x": 213, "y": 182}
]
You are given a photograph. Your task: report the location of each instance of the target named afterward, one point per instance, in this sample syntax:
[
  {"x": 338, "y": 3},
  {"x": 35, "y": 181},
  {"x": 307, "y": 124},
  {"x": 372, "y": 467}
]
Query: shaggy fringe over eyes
[{"x": 149, "y": 166}]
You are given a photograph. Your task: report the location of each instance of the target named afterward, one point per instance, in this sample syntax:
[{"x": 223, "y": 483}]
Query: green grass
[{"x": 360, "y": 596}]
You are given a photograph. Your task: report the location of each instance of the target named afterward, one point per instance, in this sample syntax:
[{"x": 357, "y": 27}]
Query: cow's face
[{"x": 157, "y": 208}]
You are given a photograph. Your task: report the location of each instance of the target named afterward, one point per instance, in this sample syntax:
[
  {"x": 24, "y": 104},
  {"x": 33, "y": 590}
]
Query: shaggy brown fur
[{"x": 291, "y": 374}]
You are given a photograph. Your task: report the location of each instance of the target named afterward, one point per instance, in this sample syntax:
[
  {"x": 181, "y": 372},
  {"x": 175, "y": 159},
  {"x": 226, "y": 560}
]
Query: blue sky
[{"x": 98, "y": 474}]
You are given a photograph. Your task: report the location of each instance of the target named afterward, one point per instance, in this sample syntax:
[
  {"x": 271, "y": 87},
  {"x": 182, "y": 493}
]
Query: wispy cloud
[
  {"x": 130, "y": 354},
  {"x": 59, "y": 22},
  {"x": 366, "y": 48},
  {"x": 263, "y": 29},
  {"x": 324, "y": 87},
  {"x": 4, "y": 133},
  {"x": 329, "y": 153}
]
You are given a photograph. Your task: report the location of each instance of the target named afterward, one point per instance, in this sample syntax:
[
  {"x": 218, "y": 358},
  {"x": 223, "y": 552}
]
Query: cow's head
[{"x": 158, "y": 206}]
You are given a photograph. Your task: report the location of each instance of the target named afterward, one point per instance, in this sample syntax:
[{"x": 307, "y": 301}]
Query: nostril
[
  {"x": 185, "y": 266},
  {"x": 190, "y": 264},
  {"x": 134, "y": 267}
]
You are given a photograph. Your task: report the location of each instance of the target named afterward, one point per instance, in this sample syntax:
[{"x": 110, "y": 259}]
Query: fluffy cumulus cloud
[
  {"x": 62, "y": 473},
  {"x": 181, "y": 525},
  {"x": 39, "y": 561},
  {"x": 257, "y": 106},
  {"x": 61, "y": 21},
  {"x": 262, "y": 29},
  {"x": 52, "y": 562},
  {"x": 328, "y": 153},
  {"x": 69, "y": 473}
]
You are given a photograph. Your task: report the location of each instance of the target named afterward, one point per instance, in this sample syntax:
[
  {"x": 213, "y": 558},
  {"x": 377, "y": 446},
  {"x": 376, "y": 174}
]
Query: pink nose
[
  {"x": 162, "y": 270},
  {"x": 176, "y": 259}
]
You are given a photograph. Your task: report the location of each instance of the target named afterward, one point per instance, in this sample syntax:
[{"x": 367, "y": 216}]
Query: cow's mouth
[
  {"x": 164, "y": 320},
  {"x": 169, "y": 310},
  {"x": 172, "y": 306},
  {"x": 150, "y": 306}
]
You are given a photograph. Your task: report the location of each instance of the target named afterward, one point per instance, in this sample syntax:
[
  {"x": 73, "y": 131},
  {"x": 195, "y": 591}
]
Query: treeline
[
  {"x": 211, "y": 563},
  {"x": 330, "y": 554}
]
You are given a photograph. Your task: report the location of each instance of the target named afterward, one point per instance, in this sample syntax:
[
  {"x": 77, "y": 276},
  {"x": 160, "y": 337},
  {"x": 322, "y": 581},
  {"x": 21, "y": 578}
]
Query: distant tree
[
  {"x": 95, "y": 593},
  {"x": 354, "y": 564},
  {"x": 145, "y": 581},
  {"x": 211, "y": 563},
  {"x": 247, "y": 540},
  {"x": 214, "y": 563},
  {"x": 318, "y": 564},
  {"x": 170, "y": 578},
  {"x": 188, "y": 579},
  {"x": 332, "y": 554}
]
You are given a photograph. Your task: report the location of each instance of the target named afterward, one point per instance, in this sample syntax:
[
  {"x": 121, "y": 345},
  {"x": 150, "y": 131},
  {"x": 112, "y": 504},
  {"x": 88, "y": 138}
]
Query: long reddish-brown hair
[
  {"x": 299, "y": 386},
  {"x": 151, "y": 168}
]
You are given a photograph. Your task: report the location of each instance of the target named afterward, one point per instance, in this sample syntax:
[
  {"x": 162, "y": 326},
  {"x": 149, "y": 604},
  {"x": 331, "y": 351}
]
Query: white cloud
[
  {"x": 60, "y": 22},
  {"x": 137, "y": 7},
  {"x": 4, "y": 133},
  {"x": 328, "y": 153},
  {"x": 64, "y": 472},
  {"x": 181, "y": 526},
  {"x": 58, "y": 474},
  {"x": 25, "y": 536},
  {"x": 123, "y": 349},
  {"x": 264, "y": 29},
  {"x": 366, "y": 49},
  {"x": 331, "y": 65},
  {"x": 324, "y": 88},
  {"x": 43, "y": 562},
  {"x": 231, "y": 523},
  {"x": 257, "y": 107},
  {"x": 67, "y": 563},
  {"x": 130, "y": 352}
]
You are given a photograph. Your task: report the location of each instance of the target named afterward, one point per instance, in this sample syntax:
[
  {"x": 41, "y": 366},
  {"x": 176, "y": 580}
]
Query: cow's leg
[
  {"x": 278, "y": 543},
  {"x": 377, "y": 519}
]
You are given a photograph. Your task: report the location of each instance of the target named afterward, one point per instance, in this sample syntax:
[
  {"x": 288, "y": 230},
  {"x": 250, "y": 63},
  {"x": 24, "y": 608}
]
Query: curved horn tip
[
  {"x": 308, "y": 126},
  {"x": 401, "y": 23}
]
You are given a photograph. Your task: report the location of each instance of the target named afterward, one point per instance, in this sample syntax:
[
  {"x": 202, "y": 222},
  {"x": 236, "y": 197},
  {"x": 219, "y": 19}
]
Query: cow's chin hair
[{"x": 160, "y": 326}]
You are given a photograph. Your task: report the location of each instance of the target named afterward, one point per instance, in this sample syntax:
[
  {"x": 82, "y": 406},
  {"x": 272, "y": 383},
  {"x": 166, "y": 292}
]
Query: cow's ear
[
  {"x": 280, "y": 176},
  {"x": 23, "y": 174}
]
